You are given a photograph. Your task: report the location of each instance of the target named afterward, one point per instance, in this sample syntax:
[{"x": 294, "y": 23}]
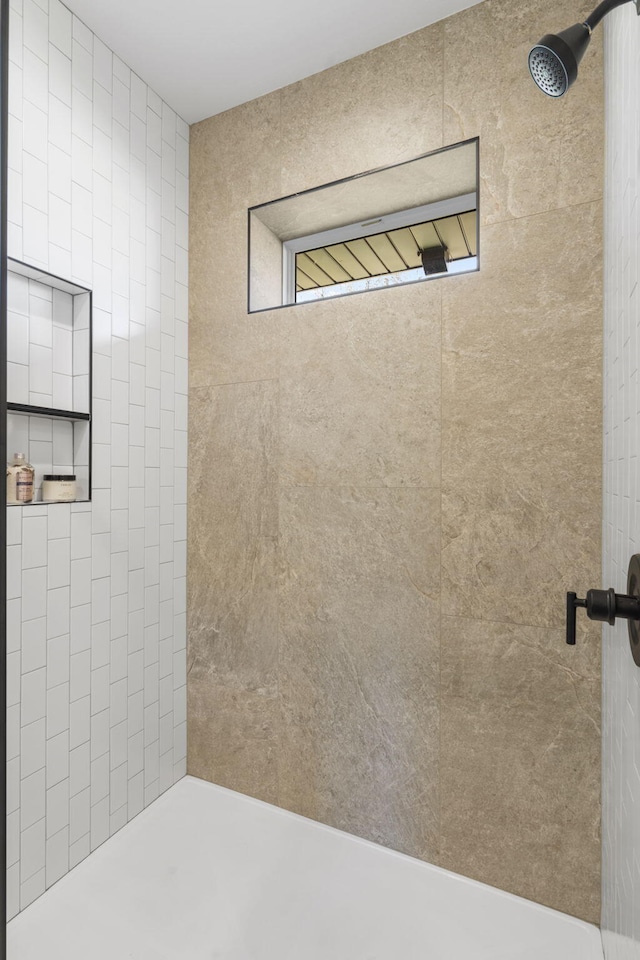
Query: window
[
  {"x": 356, "y": 258},
  {"x": 417, "y": 221}
]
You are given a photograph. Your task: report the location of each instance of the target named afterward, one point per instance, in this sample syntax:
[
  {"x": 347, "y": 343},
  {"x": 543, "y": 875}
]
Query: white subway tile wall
[
  {"x": 621, "y": 692},
  {"x": 98, "y": 175}
]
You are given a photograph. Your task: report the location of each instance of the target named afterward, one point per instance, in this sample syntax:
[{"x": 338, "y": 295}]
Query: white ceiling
[{"x": 204, "y": 56}]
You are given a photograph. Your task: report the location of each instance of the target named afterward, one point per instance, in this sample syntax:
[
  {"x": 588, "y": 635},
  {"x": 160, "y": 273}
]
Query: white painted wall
[
  {"x": 621, "y": 694},
  {"x": 98, "y": 194}
]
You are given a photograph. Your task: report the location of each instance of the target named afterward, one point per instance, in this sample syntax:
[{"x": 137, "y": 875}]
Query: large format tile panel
[
  {"x": 521, "y": 416},
  {"x": 360, "y": 391},
  {"x": 232, "y": 586},
  {"x": 517, "y": 714},
  {"x": 227, "y": 344},
  {"x": 359, "y": 661},
  {"x": 368, "y": 112},
  {"x": 537, "y": 154}
]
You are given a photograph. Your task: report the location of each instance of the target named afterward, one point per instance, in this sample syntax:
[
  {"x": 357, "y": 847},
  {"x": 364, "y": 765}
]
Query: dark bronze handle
[
  {"x": 605, "y": 606},
  {"x": 608, "y": 606}
]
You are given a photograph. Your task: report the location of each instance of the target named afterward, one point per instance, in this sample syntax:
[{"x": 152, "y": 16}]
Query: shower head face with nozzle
[
  {"x": 554, "y": 61},
  {"x": 548, "y": 71}
]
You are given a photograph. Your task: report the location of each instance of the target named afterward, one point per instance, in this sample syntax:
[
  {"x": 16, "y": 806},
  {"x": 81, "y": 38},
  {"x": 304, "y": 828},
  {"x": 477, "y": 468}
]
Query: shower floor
[{"x": 206, "y": 874}]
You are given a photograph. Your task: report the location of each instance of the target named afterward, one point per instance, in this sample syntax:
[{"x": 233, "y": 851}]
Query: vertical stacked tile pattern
[
  {"x": 621, "y": 679},
  {"x": 98, "y": 185}
]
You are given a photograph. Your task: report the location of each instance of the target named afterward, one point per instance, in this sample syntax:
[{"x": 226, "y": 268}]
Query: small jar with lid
[{"x": 58, "y": 487}]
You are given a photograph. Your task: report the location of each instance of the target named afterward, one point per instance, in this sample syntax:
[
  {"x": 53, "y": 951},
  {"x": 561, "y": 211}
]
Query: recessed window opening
[{"x": 403, "y": 224}]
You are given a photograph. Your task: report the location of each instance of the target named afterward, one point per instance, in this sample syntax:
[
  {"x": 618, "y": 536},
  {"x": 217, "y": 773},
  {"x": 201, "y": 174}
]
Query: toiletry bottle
[{"x": 20, "y": 480}]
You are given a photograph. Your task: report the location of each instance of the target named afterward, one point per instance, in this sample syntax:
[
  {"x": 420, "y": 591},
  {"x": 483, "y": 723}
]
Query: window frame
[{"x": 356, "y": 231}]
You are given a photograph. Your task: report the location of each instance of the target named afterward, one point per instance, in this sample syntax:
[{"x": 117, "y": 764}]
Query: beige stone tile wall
[{"x": 390, "y": 493}]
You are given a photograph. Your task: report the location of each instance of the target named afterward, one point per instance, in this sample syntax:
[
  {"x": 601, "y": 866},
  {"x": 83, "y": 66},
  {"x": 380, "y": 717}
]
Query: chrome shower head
[{"x": 554, "y": 61}]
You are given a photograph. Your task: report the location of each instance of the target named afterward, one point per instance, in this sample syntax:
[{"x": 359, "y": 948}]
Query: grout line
[
  {"x": 543, "y": 213},
  {"x": 355, "y": 485},
  {"x": 505, "y": 623},
  {"x": 234, "y": 383}
]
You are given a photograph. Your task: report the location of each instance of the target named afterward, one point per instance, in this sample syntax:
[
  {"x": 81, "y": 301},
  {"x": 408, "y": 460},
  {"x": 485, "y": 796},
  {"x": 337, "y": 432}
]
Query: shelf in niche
[
  {"x": 29, "y": 410},
  {"x": 49, "y": 357},
  {"x": 42, "y": 276},
  {"x": 49, "y": 503}
]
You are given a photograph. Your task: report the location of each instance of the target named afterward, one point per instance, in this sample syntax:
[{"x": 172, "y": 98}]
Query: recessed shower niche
[
  {"x": 401, "y": 224},
  {"x": 49, "y": 375}
]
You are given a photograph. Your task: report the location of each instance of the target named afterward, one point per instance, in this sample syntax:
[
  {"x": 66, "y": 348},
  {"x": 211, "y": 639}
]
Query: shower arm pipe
[{"x": 603, "y": 9}]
